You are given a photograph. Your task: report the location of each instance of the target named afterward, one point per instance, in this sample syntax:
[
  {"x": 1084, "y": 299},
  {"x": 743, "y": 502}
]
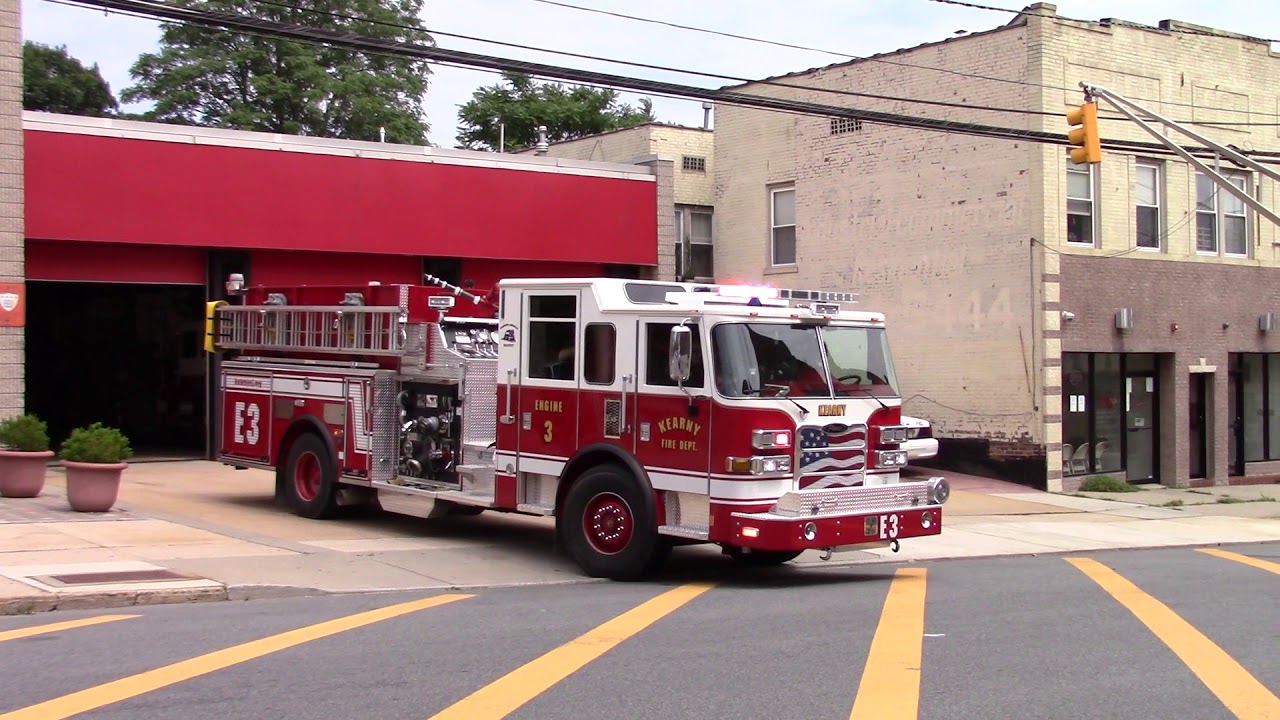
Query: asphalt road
[{"x": 1137, "y": 634}]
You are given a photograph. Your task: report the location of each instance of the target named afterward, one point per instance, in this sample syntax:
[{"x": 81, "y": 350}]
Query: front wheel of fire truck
[
  {"x": 311, "y": 478},
  {"x": 610, "y": 530}
]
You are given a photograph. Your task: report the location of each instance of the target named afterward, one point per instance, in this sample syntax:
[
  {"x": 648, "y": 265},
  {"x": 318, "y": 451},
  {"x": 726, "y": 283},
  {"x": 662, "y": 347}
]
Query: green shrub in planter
[
  {"x": 96, "y": 444},
  {"x": 24, "y": 433},
  {"x": 24, "y": 454}
]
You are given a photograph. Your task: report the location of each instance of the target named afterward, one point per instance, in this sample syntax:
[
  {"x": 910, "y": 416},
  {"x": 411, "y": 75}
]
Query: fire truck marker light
[
  {"x": 810, "y": 531},
  {"x": 926, "y": 520},
  {"x": 750, "y": 532}
]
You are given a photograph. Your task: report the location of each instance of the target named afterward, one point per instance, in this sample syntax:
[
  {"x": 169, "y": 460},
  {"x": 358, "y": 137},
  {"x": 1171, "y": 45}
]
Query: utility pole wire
[{"x": 297, "y": 32}]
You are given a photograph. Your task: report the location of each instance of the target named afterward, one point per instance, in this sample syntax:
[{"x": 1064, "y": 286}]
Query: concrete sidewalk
[{"x": 198, "y": 531}]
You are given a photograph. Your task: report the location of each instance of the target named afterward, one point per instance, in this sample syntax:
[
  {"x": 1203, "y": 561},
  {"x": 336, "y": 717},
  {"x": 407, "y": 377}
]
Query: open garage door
[{"x": 127, "y": 354}]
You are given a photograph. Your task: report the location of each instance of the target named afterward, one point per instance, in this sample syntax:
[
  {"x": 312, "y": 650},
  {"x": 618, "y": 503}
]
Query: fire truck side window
[
  {"x": 552, "y": 330},
  {"x": 599, "y": 353},
  {"x": 657, "y": 357}
]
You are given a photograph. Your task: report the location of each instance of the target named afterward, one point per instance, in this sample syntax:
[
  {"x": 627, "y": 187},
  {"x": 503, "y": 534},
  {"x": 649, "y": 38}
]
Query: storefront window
[
  {"x": 1273, "y": 402},
  {"x": 1108, "y": 413},
  {"x": 1098, "y": 408},
  {"x": 1252, "y": 378},
  {"x": 1075, "y": 417}
]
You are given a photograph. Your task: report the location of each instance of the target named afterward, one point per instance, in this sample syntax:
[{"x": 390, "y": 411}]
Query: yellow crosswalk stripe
[
  {"x": 1241, "y": 692},
  {"x": 890, "y": 687},
  {"x": 59, "y": 626},
  {"x": 1247, "y": 560},
  {"x": 508, "y": 693},
  {"x": 142, "y": 683}
]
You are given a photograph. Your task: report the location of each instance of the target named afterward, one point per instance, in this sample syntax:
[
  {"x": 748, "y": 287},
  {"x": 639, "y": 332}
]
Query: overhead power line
[
  {"x": 902, "y": 63},
  {"x": 297, "y": 32},
  {"x": 665, "y": 68}
]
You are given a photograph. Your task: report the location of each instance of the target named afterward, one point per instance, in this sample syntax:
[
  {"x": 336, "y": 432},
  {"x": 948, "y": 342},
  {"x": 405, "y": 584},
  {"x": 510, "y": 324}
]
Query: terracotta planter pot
[
  {"x": 93, "y": 487},
  {"x": 22, "y": 473}
]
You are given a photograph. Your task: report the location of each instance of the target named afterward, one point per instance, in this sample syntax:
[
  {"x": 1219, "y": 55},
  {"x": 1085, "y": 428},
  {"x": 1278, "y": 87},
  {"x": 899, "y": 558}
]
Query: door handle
[
  {"x": 507, "y": 416},
  {"x": 626, "y": 423}
]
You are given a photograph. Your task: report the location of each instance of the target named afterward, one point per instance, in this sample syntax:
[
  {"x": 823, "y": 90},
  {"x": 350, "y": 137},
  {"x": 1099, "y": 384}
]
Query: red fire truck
[{"x": 640, "y": 414}]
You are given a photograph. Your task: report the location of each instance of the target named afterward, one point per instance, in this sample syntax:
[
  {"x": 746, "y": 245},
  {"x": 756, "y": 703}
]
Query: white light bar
[{"x": 817, "y": 295}]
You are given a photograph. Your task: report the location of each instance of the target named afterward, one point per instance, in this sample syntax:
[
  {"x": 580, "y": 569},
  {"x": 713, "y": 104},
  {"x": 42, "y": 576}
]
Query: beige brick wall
[
  {"x": 1183, "y": 77},
  {"x": 11, "y": 187},
  {"x": 930, "y": 228},
  {"x": 676, "y": 142},
  {"x": 661, "y": 147}
]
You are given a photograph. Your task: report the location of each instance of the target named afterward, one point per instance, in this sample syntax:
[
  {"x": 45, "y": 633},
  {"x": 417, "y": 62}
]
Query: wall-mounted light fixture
[
  {"x": 1124, "y": 319},
  {"x": 1267, "y": 322},
  {"x": 1068, "y": 315}
]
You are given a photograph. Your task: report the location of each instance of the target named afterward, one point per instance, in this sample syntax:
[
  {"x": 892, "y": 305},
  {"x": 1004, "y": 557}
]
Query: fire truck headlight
[
  {"x": 891, "y": 458},
  {"x": 939, "y": 490},
  {"x": 769, "y": 465}
]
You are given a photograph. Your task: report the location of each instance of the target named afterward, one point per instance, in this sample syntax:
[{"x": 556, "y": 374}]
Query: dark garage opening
[{"x": 128, "y": 355}]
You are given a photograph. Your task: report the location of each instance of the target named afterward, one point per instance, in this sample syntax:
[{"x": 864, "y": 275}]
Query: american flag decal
[{"x": 832, "y": 448}]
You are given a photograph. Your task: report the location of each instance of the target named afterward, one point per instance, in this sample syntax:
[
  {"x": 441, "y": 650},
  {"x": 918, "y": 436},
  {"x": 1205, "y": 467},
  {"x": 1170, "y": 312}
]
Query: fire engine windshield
[{"x": 771, "y": 360}]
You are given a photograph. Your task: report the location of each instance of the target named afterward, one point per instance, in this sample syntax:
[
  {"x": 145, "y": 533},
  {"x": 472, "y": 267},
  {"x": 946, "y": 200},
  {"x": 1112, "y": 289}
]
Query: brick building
[
  {"x": 1053, "y": 321},
  {"x": 11, "y": 197},
  {"x": 685, "y": 230}
]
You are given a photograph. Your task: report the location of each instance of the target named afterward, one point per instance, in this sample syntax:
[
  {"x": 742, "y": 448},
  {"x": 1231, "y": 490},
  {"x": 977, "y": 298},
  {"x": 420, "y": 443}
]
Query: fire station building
[{"x": 130, "y": 227}]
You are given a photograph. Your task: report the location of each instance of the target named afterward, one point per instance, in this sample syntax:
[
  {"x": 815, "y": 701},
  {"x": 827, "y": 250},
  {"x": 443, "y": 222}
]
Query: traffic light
[{"x": 1086, "y": 135}]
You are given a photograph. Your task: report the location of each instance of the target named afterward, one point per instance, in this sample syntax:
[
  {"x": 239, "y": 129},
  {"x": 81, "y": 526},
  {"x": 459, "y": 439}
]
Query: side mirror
[{"x": 681, "y": 353}]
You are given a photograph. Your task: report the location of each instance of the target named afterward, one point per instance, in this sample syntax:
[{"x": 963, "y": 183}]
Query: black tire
[
  {"x": 765, "y": 558},
  {"x": 620, "y": 541},
  {"x": 311, "y": 478}
]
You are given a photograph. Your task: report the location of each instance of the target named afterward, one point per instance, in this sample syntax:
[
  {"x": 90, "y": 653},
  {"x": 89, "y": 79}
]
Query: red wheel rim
[
  {"x": 608, "y": 523},
  {"x": 306, "y": 476}
]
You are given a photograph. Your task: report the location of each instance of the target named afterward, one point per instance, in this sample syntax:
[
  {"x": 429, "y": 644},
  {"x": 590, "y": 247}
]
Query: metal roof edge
[{"x": 246, "y": 139}]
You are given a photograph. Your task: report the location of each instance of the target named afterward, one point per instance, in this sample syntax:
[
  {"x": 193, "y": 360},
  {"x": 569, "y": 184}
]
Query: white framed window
[
  {"x": 1082, "y": 216},
  {"x": 1222, "y": 225},
  {"x": 695, "y": 246},
  {"x": 1148, "y": 208},
  {"x": 782, "y": 226}
]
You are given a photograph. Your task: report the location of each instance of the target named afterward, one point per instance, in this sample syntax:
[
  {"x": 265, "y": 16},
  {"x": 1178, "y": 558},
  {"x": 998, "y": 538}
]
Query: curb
[{"x": 48, "y": 602}]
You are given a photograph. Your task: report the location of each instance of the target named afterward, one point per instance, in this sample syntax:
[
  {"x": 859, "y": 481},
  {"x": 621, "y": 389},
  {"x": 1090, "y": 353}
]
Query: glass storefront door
[{"x": 1141, "y": 413}]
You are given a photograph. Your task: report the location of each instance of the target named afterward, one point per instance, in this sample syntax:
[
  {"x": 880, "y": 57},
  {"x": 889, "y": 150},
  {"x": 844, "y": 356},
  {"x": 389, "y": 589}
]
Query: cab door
[
  {"x": 608, "y": 389},
  {"x": 673, "y": 427},
  {"x": 550, "y": 368}
]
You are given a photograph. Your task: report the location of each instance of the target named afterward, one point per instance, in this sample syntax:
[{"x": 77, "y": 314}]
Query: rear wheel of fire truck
[
  {"x": 764, "y": 558},
  {"x": 610, "y": 531},
  {"x": 311, "y": 478}
]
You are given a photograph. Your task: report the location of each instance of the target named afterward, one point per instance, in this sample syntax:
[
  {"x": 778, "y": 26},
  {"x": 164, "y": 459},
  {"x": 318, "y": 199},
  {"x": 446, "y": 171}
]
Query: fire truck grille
[
  {"x": 386, "y": 445},
  {"x": 613, "y": 418},
  {"x": 831, "y": 448}
]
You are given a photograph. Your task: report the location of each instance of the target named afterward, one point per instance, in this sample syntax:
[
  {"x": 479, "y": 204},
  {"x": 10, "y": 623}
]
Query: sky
[{"x": 842, "y": 28}]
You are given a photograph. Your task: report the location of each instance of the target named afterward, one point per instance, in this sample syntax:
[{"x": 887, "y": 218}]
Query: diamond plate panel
[
  {"x": 688, "y": 510},
  {"x": 846, "y": 501},
  {"x": 386, "y": 435},
  {"x": 540, "y": 490},
  {"x": 480, "y": 425},
  {"x": 613, "y": 418}
]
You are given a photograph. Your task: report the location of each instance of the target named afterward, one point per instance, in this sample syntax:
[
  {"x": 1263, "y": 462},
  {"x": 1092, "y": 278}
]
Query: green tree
[
  {"x": 522, "y": 104},
  {"x": 53, "y": 81},
  {"x": 217, "y": 78}
]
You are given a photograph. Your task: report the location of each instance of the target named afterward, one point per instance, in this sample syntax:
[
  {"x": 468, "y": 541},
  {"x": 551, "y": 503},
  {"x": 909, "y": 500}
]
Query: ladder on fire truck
[
  {"x": 349, "y": 328},
  {"x": 1130, "y": 109}
]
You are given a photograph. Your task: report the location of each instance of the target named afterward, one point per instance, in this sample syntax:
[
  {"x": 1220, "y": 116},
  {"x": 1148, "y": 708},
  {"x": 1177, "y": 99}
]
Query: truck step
[{"x": 684, "y": 532}]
